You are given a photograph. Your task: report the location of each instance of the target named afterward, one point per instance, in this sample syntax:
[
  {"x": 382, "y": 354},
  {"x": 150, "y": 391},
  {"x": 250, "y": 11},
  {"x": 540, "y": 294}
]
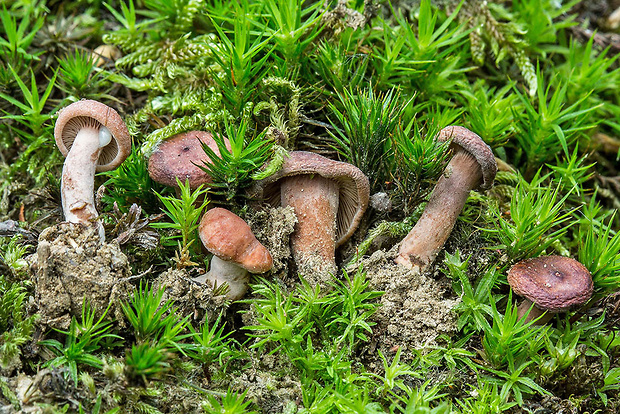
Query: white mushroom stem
[
  {"x": 78, "y": 176},
  {"x": 423, "y": 243},
  {"x": 315, "y": 200},
  {"x": 535, "y": 313},
  {"x": 223, "y": 271}
]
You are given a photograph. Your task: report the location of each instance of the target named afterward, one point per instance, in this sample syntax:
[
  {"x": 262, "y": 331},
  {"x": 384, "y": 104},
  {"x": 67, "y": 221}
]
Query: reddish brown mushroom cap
[
  {"x": 92, "y": 113},
  {"x": 553, "y": 283},
  {"x": 354, "y": 189},
  {"x": 181, "y": 156},
  {"x": 228, "y": 237},
  {"x": 473, "y": 144}
]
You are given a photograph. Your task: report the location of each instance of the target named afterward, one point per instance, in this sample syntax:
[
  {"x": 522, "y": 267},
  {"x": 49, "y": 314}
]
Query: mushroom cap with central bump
[
  {"x": 353, "y": 186},
  {"x": 180, "y": 157},
  {"x": 228, "y": 237},
  {"x": 474, "y": 145},
  {"x": 92, "y": 113},
  {"x": 553, "y": 283}
]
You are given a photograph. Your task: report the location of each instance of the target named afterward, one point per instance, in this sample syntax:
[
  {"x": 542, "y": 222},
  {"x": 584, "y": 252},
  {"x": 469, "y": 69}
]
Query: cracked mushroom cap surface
[
  {"x": 89, "y": 113},
  {"x": 353, "y": 185},
  {"x": 180, "y": 157},
  {"x": 229, "y": 237},
  {"x": 473, "y": 144},
  {"x": 553, "y": 283}
]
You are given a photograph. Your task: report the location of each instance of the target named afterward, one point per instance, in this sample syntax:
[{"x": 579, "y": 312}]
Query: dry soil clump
[
  {"x": 273, "y": 226},
  {"x": 72, "y": 265},
  {"x": 415, "y": 308},
  {"x": 271, "y": 391},
  {"x": 189, "y": 297}
]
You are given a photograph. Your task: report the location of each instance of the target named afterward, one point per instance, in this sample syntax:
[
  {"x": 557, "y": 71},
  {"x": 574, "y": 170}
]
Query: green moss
[{"x": 361, "y": 83}]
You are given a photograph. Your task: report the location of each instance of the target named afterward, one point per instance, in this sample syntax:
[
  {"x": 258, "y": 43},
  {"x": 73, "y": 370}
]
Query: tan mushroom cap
[
  {"x": 228, "y": 237},
  {"x": 181, "y": 156},
  {"x": 553, "y": 283},
  {"x": 92, "y": 113},
  {"x": 473, "y": 144},
  {"x": 353, "y": 186}
]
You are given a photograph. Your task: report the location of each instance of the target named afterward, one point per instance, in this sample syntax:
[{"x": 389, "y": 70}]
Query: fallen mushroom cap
[
  {"x": 228, "y": 237},
  {"x": 180, "y": 157},
  {"x": 354, "y": 189},
  {"x": 85, "y": 113},
  {"x": 473, "y": 144},
  {"x": 553, "y": 283}
]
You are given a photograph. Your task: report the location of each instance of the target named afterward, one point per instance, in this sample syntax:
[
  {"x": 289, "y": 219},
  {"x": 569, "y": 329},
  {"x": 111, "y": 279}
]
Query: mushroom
[
  {"x": 93, "y": 137},
  {"x": 180, "y": 157},
  {"x": 236, "y": 251},
  {"x": 329, "y": 198},
  {"x": 552, "y": 283},
  {"x": 103, "y": 54},
  {"x": 473, "y": 165}
]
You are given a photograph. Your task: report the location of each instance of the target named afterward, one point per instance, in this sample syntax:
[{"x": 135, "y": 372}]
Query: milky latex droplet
[{"x": 105, "y": 136}]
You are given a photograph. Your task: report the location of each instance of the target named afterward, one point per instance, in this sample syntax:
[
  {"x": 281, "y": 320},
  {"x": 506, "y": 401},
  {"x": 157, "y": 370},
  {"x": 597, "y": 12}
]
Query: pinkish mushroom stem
[
  {"x": 315, "y": 200},
  {"x": 423, "y": 243},
  {"x": 535, "y": 313},
  {"x": 223, "y": 271},
  {"x": 92, "y": 137},
  {"x": 78, "y": 175},
  {"x": 329, "y": 199}
]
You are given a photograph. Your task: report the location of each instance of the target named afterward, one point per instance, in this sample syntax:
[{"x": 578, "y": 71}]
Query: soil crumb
[
  {"x": 315, "y": 270},
  {"x": 273, "y": 227},
  {"x": 270, "y": 385},
  {"x": 190, "y": 297},
  {"x": 73, "y": 265},
  {"x": 342, "y": 17},
  {"x": 415, "y": 308}
]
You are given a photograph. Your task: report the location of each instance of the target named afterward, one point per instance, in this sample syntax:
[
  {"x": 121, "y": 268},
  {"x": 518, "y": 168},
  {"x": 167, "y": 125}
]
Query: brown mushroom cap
[
  {"x": 352, "y": 183},
  {"x": 94, "y": 114},
  {"x": 473, "y": 144},
  {"x": 553, "y": 283},
  {"x": 228, "y": 237},
  {"x": 180, "y": 157}
]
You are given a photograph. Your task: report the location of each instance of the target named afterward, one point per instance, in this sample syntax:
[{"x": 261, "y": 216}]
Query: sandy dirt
[
  {"x": 71, "y": 264},
  {"x": 415, "y": 309}
]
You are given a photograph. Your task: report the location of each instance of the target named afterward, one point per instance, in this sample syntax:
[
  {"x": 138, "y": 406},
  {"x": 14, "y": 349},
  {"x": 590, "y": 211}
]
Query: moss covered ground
[{"x": 121, "y": 326}]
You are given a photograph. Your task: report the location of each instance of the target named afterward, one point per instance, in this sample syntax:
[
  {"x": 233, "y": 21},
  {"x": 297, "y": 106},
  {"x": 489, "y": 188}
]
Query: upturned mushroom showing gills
[
  {"x": 93, "y": 137},
  {"x": 329, "y": 198},
  {"x": 236, "y": 252},
  {"x": 180, "y": 157},
  {"x": 552, "y": 283},
  {"x": 473, "y": 165}
]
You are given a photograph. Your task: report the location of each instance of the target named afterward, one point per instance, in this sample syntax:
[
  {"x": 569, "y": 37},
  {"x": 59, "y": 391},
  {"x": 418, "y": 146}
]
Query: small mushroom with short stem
[
  {"x": 93, "y": 137},
  {"x": 329, "y": 198},
  {"x": 473, "y": 165},
  {"x": 180, "y": 157},
  {"x": 552, "y": 284},
  {"x": 104, "y": 54},
  {"x": 236, "y": 252}
]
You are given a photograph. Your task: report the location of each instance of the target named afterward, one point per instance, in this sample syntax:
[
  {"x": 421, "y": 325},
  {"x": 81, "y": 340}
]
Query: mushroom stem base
[
  {"x": 535, "y": 313},
  {"x": 222, "y": 272}
]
